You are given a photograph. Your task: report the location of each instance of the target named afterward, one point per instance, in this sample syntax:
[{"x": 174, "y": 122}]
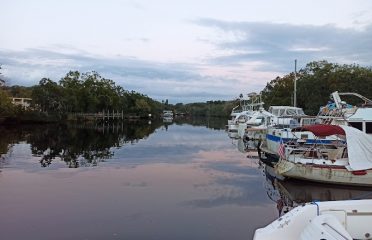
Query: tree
[
  {"x": 6, "y": 106},
  {"x": 2, "y": 82}
]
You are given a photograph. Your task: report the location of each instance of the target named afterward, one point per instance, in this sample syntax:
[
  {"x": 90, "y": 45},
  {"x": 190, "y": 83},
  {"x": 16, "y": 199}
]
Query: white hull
[
  {"x": 322, "y": 220},
  {"x": 323, "y": 173}
]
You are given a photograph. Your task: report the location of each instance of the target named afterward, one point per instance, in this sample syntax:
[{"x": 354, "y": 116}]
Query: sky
[{"x": 180, "y": 50}]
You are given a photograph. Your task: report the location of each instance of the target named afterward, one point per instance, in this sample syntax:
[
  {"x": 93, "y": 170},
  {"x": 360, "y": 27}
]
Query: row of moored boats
[{"x": 333, "y": 147}]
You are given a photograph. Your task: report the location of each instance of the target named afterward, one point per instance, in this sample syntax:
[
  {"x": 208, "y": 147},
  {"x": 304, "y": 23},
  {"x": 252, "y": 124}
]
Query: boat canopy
[
  {"x": 359, "y": 144},
  {"x": 359, "y": 147},
  {"x": 321, "y": 130}
]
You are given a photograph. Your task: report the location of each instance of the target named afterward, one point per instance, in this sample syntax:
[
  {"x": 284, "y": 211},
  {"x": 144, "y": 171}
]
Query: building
[{"x": 24, "y": 102}]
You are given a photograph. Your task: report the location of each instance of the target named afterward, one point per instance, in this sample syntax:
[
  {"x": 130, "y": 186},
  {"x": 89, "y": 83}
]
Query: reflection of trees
[
  {"x": 76, "y": 145},
  {"x": 84, "y": 145},
  {"x": 211, "y": 122}
]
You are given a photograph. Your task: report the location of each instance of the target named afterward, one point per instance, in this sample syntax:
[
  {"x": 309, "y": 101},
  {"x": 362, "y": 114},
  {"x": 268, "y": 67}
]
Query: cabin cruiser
[
  {"x": 349, "y": 219},
  {"x": 345, "y": 162},
  {"x": 242, "y": 113},
  {"x": 338, "y": 112},
  {"x": 167, "y": 116},
  {"x": 256, "y": 126}
]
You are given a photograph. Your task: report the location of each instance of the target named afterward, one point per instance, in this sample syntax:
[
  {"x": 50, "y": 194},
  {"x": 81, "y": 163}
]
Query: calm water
[{"x": 184, "y": 180}]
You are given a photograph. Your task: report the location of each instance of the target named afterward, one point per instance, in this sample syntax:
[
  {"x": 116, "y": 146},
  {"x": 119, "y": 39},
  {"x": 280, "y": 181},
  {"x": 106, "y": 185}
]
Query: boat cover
[
  {"x": 321, "y": 130},
  {"x": 359, "y": 146}
]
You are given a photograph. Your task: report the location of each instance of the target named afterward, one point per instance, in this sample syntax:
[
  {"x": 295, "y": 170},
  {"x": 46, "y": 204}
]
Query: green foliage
[
  {"x": 210, "y": 108},
  {"x": 6, "y": 106},
  {"x": 90, "y": 93},
  {"x": 279, "y": 91},
  {"x": 316, "y": 82},
  {"x": 319, "y": 79}
]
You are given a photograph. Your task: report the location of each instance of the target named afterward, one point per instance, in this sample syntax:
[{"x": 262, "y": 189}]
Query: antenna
[{"x": 295, "y": 85}]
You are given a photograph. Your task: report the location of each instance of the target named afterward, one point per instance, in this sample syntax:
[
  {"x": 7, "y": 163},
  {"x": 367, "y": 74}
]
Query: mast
[{"x": 295, "y": 85}]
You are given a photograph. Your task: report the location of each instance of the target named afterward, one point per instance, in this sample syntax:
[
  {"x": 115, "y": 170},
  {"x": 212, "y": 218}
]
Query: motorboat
[
  {"x": 336, "y": 112},
  {"x": 242, "y": 113},
  {"x": 331, "y": 220},
  {"x": 168, "y": 116},
  {"x": 345, "y": 162}
]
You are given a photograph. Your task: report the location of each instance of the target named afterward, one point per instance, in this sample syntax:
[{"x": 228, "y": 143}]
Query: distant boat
[
  {"x": 167, "y": 115},
  {"x": 346, "y": 163},
  {"x": 241, "y": 114},
  {"x": 333, "y": 220}
]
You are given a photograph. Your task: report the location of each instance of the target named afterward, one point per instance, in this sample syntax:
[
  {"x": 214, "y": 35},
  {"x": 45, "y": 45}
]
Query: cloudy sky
[{"x": 181, "y": 50}]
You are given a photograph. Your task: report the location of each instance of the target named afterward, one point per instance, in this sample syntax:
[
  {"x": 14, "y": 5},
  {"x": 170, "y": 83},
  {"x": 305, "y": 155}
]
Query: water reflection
[
  {"x": 289, "y": 193},
  {"x": 182, "y": 181},
  {"x": 77, "y": 145},
  {"x": 84, "y": 145}
]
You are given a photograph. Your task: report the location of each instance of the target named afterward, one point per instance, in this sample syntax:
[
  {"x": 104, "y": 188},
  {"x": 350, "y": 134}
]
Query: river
[{"x": 139, "y": 180}]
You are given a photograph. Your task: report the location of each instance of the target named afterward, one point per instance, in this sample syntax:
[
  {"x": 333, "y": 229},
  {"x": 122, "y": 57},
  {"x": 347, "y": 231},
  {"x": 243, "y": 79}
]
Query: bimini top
[
  {"x": 321, "y": 130},
  {"x": 359, "y": 144}
]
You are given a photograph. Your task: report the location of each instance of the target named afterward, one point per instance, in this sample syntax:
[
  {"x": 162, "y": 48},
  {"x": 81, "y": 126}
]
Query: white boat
[
  {"x": 242, "y": 113},
  {"x": 333, "y": 220},
  {"x": 168, "y": 116},
  {"x": 255, "y": 128},
  {"x": 338, "y": 112},
  {"x": 343, "y": 163}
]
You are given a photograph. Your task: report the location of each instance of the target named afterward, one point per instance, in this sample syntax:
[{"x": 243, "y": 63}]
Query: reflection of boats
[
  {"x": 291, "y": 193},
  {"x": 247, "y": 146},
  {"x": 302, "y": 191},
  {"x": 337, "y": 163},
  {"x": 322, "y": 220}
]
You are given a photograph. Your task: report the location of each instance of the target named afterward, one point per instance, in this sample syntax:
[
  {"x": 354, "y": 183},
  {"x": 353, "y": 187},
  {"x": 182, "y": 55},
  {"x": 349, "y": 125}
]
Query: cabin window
[
  {"x": 369, "y": 127},
  {"x": 358, "y": 125},
  {"x": 291, "y": 112},
  {"x": 304, "y": 136}
]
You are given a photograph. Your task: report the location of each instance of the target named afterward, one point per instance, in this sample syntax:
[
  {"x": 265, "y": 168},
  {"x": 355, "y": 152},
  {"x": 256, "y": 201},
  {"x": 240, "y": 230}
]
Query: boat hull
[
  {"x": 324, "y": 174},
  {"x": 352, "y": 221}
]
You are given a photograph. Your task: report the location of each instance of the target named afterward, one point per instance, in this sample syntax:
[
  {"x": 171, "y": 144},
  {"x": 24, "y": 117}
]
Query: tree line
[
  {"x": 316, "y": 82},
  {"x": 91, "y": 93},
  {"x": 83, "y": 92}
]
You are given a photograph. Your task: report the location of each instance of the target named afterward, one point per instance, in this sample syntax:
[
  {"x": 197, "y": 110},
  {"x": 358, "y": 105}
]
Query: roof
[
  {"x": 362, "y": 114},
  {"x": 321, "y": 130}
]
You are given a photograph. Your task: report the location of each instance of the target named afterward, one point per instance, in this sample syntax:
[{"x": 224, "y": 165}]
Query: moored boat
[
  {"x": 350, "y": 219},
  {"x": 346, "y": 163}
]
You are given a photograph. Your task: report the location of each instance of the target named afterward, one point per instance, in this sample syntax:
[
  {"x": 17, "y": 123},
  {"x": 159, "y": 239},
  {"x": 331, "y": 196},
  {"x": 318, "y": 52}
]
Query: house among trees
[{"x": 23, "y": 102}]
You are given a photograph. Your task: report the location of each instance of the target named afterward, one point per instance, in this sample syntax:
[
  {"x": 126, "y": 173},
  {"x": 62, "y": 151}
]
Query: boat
[
  {"x": 331, "y": 220},
  {"x": 168, "y": 116},
  {"x": 255, "y": 128},
  {"x": 242, "y": 113},
  {"x": 336, "y": 112},
  {"x": 345, "y": 162}
]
